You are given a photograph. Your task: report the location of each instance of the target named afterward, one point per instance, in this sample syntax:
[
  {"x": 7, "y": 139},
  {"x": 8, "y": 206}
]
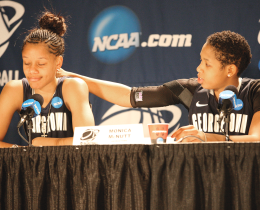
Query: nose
[
  {"x": 199, "y": 68},
  {"x": 33, "y": 69}
]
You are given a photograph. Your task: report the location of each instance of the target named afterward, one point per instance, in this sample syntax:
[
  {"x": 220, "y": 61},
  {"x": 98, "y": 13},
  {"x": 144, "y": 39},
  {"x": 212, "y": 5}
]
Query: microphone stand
[
  {"x": 30, "y": 127},
  {"x": 227, "y": 120},
  {"x": 226, "y": 115},
  {"x": 29, "y": 131}
]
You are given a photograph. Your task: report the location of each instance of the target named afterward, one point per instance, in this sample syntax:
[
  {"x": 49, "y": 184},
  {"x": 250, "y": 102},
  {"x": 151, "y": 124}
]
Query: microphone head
[
  {"x": 232, "y": 88},
  {"x": 38, "y": 97}
]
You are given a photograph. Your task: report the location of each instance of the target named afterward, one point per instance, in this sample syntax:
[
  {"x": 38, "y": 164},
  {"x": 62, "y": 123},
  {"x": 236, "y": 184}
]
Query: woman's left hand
[{"x": 189, "y": 130}]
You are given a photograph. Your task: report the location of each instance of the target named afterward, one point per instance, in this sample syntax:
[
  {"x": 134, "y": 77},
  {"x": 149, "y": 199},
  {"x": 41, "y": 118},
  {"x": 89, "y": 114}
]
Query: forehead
[
  {"x": 208, "y": 52},
  {"x": 32, "y": 50}
]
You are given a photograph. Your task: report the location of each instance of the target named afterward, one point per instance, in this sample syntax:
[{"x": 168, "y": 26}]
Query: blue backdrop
[{"x": 136, "y": 43}]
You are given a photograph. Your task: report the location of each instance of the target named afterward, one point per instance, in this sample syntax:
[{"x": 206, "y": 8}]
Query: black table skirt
[{"x": 116, "y": 177}]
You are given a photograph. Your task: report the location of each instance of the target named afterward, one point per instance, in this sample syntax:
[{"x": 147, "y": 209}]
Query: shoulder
[
  {"x": 75, "y": 93},
  {"x": 74, "y": 89},
  {"x": 255, "y": 83},
  {"x": 13, "y": 92},
  {"x": 72, "y": 84},
  {"x": 191, "y": 84},
  {"x": 254, "y": 94},
  {"x": 13, "y": 86},
  {"x": 254, "y": 86}
]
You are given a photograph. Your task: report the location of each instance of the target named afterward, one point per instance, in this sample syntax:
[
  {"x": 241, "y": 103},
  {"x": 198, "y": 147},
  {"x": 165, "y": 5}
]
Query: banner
[{"x": 137, "y": 43}]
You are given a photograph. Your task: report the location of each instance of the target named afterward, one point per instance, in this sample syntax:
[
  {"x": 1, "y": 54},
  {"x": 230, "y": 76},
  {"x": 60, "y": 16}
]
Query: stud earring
[{"x": 228, "y": 75}]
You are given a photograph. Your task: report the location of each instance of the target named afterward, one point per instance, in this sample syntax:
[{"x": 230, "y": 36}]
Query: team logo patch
[
  {"x": 56, "y": 102},
  {"x": 239, "y": 105}
]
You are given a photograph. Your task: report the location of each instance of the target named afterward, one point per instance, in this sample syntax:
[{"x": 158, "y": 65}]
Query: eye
[
  {"x": 41, "y": 64},
  {"x": 26, "y": 64}
]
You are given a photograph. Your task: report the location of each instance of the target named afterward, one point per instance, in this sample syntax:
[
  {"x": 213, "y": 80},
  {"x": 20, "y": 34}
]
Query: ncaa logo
[
  {"x": 6, "y": 22},
  {"x": 114, "y": 34},
  {"x": 57, "y": 102}
]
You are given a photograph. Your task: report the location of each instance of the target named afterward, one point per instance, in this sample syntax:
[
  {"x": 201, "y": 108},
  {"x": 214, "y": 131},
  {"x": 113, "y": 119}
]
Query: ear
[
  {"x": 232, "y": 70},
  {"x": 59, "y": 62}
]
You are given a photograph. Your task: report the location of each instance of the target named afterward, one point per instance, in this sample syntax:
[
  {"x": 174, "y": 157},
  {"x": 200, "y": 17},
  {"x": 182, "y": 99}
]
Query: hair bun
[{"x": 53, "y": 23}]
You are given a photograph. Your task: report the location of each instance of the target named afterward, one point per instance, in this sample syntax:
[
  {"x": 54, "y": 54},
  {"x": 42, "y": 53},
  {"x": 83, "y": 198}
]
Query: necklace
[{"x": 45, "y": 124}]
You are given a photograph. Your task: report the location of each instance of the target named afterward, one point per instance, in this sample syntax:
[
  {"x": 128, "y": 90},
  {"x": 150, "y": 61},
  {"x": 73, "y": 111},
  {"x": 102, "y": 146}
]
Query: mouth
[
  {"x": 34, "y": 79},
  {"x": 200, "y": 80}
]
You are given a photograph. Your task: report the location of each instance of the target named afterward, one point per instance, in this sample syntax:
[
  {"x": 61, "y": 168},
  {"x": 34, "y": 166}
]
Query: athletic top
[
  {"x": 201, "y": 103},
  {"x": 59, "y": 124}
]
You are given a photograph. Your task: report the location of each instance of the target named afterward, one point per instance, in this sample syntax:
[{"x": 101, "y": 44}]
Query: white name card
[{"x": 110, "y": 134}]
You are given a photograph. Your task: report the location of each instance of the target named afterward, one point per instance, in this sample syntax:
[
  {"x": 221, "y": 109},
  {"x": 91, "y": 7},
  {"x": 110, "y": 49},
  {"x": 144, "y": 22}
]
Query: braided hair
[{"x": 52, "y": 29}]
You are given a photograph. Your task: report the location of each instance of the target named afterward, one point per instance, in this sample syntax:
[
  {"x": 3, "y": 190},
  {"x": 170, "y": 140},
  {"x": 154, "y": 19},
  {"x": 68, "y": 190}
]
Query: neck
[
  {"x": 48, "y": 89},
  {"x": 232, "y": 81},
  {"x": 47, "y": 92}
]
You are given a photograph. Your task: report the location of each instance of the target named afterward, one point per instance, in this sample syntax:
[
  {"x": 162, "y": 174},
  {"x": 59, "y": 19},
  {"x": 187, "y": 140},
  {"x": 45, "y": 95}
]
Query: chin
[
  {"x": 205, "y": 86},
  {"x": 34, "y": 85}
]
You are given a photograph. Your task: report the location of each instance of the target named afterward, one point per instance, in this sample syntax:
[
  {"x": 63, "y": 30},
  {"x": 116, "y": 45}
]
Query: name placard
[{"x": 110, "y": 134}]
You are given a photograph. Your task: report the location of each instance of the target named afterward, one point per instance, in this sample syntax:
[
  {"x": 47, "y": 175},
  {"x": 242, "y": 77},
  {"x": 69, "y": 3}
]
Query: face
[
  {"x": 211, "y": 74},
  {"x": 39, "y": 65}
]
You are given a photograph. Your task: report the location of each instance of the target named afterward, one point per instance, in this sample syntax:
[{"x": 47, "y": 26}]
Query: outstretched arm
[{"x": 113, "y": 92}]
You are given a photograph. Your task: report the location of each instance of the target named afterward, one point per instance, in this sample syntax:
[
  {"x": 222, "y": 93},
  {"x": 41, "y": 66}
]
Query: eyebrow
[{"x": 204, "y": 58}]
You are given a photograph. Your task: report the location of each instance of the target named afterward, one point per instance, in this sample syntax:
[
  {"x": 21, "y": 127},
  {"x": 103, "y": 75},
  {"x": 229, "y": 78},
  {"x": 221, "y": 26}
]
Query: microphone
[
  {"x": 30, "y": 108},
  {"x": 228, "y": 101}
]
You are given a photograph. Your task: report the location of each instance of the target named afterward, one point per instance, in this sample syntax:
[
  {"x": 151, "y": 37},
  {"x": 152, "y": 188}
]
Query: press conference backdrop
[{"x": 135, "y": 42}]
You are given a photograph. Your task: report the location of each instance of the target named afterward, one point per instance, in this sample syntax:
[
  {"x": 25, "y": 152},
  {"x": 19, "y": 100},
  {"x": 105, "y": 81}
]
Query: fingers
[
  {"x": 60, "y": 72},
  {"x": 190, "y": 139},
  {"x": 185, "y": 133},
  {"x": 182, "y": 131}
]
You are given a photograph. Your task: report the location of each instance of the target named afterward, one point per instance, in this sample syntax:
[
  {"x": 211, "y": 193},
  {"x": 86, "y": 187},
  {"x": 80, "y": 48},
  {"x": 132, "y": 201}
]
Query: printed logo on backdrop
[
  {"x": 114, "y": 34},
  {"x": 117, "y": 115},
  {"x": 8, "y": 25},
  {"x": 10, "y": 19}
]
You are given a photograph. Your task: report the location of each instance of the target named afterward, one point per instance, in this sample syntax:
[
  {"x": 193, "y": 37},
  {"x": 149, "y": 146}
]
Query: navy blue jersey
[
  {"x": 201, "y": 103},
  {"x": 59, "y": 124},
  {"x": 203, "y": 113}
]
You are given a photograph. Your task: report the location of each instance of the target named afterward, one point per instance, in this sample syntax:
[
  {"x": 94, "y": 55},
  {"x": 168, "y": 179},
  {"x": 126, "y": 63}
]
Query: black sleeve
[
  {"x": 163, "y": 95},
  {"x": 254, "y": 95}
]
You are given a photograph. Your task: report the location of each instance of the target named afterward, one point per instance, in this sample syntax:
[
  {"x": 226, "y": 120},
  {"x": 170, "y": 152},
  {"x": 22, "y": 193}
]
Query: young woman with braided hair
[{"x": 62, "y": 110}]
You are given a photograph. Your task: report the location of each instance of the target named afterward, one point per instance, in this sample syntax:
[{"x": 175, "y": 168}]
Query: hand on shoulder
[{"x": 62, "y": 73}]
